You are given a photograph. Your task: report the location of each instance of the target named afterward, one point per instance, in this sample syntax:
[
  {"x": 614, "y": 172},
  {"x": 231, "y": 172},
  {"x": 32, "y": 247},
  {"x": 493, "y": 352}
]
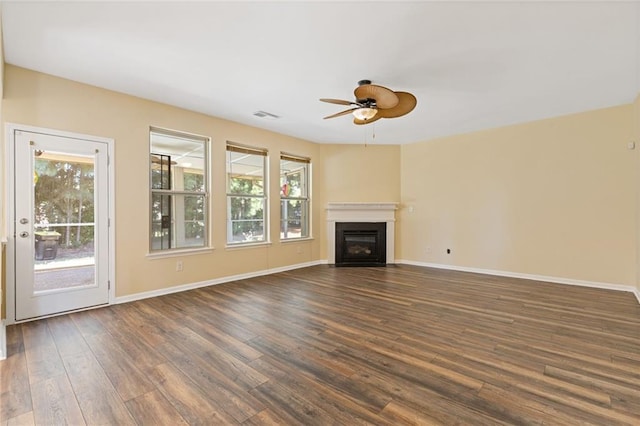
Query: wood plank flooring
[{"x": 335, "y": 346}]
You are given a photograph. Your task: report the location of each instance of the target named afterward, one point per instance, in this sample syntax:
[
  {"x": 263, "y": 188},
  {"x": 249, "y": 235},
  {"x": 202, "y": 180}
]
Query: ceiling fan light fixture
[{"x": 365, "y": 113}]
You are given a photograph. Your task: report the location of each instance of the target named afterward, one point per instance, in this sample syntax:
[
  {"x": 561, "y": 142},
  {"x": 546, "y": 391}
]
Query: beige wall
[
  {"x": 361, "y": 172},
  {"x": 554, "y": 198},
  {"x": 358, "y": 173},
  {"x": 37, "y": 99}
]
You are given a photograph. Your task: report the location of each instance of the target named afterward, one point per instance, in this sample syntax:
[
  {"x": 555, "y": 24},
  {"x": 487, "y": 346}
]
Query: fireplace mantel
[{"x": 361, "y": 212}]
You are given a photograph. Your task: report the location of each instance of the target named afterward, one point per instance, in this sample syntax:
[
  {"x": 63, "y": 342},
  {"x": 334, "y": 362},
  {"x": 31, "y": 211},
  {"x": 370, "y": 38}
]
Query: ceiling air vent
[{"x": 266, "y": 115}]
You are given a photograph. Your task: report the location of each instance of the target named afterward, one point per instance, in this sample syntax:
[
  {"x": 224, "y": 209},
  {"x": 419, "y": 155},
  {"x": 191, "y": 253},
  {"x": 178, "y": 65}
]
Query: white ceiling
[{"x": 472, "y": 65}]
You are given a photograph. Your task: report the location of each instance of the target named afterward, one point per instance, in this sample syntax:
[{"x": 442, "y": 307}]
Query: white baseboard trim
[
  {"x": 3, "y": 340},
  {"x": 556, "y": 280},
  {"x": 191, "y": 286}
]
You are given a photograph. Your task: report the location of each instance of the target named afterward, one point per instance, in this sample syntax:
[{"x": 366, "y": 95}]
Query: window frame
[
  {"x": 249, "y": 150},
  {"x": 305, "y": 198},
  {"x": 175, "y": 193}
]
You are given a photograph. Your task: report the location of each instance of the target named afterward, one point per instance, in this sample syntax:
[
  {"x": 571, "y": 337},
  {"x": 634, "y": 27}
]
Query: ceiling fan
[{"x": 374, "y": 102}]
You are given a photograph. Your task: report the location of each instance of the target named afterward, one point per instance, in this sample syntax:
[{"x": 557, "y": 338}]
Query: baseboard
[
  {"x": 191, "y": 286},
  {"x": 3, "y": 340},
  {"x": 556, "y": 280}
]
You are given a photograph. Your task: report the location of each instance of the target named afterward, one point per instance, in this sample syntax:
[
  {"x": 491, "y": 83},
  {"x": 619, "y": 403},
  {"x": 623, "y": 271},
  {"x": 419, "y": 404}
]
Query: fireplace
[
  {"x": 367, "y": 214},
  {"x": 361, "y": 244}
]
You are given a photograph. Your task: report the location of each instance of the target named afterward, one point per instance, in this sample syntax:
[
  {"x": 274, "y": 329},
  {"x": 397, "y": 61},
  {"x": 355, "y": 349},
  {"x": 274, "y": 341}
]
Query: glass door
[{"x": 61, "y": 224}]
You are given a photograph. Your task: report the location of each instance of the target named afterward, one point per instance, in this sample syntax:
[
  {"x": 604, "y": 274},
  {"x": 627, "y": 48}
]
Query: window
[
  {"x": 294, "y": 197},
  {"x": 246, "y": 194},
  {"x": 179, "y": 190}
]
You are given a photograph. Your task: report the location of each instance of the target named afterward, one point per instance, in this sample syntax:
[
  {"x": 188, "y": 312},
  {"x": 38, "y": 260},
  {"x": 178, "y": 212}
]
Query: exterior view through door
[{"x": 61, "y": 219}]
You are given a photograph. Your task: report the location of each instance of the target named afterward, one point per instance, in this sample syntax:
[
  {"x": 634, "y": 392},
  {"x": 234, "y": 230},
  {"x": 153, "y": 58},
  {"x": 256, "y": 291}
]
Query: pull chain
[{"x": 373, "y": 134}]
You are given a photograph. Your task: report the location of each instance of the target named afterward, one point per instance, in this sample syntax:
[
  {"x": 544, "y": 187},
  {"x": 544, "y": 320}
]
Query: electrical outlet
[
  {"x": 448, "y": 251},
  {"x": 299, "y": 250},
  {"x": 179, "y": 266}
]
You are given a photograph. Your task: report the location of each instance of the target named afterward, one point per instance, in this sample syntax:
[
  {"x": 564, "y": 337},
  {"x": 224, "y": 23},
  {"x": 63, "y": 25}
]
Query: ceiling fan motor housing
[{"x": 367, "y": 102}]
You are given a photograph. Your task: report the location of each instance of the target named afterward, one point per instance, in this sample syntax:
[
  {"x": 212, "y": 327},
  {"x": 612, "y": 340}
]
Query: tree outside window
[
  {"x": 64, "y": 198},
  {"x": 294, "y": 197},
  {"x": 246, "y": 194}
]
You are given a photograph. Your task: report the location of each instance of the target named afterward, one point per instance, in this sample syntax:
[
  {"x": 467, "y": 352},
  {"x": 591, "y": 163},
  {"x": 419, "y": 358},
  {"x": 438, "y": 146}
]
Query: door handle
[
  {"x": 24, "y": 221},
  {"x": 24, "y": 234}
]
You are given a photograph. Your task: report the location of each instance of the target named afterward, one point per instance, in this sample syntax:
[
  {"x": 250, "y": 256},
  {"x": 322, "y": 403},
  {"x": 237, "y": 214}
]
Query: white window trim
[
  {"x": 178, "y": 251},
  {"x": 265, "y": 174},
  {"x": 309, "y": 235}
]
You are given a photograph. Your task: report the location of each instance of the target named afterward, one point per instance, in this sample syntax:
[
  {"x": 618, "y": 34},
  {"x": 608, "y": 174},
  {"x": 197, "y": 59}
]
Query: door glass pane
[{"x": 64, "y": 228}]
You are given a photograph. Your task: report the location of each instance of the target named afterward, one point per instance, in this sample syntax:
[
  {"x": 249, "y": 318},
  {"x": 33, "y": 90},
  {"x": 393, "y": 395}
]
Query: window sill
[
  {"x": 296, "y": 240},
  {"x": 178, "y": 253},
  {"x": 247, "y": 245}
]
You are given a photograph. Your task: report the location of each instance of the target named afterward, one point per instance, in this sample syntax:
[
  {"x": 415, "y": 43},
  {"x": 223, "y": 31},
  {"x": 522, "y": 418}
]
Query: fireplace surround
[{"x": 349, "y": 212}]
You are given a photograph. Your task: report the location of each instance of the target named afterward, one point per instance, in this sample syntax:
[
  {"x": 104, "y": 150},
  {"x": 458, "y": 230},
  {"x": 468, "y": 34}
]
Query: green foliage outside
[
  {"x": 194, "y": 207},
  {"x": 247, "y": 208},
  {"x": 64, "y": 195}
]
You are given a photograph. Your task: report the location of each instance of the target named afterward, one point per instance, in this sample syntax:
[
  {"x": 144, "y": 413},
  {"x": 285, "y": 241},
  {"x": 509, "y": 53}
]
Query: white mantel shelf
[
  {"x": 361, "y": 212},
  {"x": 362, "y": 206}
]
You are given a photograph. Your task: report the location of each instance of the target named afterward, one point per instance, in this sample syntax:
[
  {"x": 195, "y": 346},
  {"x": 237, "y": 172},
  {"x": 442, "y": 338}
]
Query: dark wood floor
[{"x": 347, "y": 346}]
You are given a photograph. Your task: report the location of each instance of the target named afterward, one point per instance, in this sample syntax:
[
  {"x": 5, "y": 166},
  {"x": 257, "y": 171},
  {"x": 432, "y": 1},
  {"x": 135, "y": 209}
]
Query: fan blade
[
  {"x": 371, "y": 120},
  {"x": 385, "y": 98},
  {"x": 407, "y": 102},
  {"x": 338, "y": 114},
  {"x": 337, "y": 101}
]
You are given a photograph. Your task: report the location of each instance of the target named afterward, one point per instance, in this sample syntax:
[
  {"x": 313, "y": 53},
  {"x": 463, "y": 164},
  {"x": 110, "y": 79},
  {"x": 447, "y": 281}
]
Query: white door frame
[{"x": 11, "y": 129}]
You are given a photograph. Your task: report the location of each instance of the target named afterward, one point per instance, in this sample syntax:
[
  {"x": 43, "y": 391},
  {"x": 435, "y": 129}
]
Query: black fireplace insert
[{"x": 361, "y": 244}]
